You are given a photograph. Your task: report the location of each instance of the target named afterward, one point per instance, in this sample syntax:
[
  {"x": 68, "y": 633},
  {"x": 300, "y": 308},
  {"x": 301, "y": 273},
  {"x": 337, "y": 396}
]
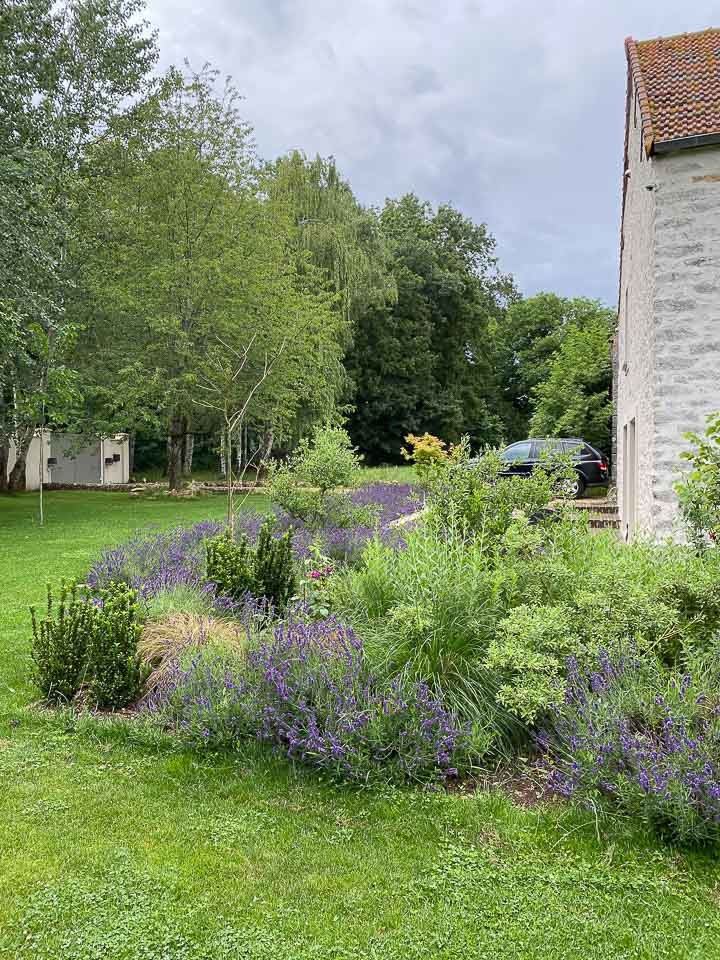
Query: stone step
[
  {"x": 604, "y": 523},
  {"x": 597, "y": 506}
]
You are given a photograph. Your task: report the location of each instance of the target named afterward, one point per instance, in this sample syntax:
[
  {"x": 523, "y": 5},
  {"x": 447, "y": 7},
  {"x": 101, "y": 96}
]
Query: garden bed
[{"x": 120, "y": 841}]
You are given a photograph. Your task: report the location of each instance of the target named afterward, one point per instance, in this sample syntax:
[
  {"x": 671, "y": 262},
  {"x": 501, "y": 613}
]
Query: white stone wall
[
  {"x": 635, "y": 386},
  {"x": 686, "y": 311},
  {"x": 119, "y": 470}
]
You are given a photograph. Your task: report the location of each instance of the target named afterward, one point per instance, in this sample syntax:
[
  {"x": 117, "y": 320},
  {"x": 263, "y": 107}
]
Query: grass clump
[{"x": 167, "y": 643}]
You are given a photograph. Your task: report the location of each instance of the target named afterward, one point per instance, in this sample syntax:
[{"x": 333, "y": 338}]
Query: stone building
[
  {"x": 667, "y": 350},
  {"x": 70, "y": 460}
]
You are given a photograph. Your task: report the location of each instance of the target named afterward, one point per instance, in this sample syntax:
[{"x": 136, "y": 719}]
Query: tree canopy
[
  {"x": 426, "y": 361},
  {"x": 151, "y": 260}
]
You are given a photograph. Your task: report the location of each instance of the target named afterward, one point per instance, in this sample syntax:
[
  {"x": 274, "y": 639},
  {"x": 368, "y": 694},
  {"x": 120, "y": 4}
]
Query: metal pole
[{"x": 42, "y": 464}]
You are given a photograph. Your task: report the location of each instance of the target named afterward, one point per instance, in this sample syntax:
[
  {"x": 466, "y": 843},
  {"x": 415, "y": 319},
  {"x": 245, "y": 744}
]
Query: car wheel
[{"x": 573, "y": 489}]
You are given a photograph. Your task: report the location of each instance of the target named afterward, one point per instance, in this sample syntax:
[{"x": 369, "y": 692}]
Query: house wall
[
  {"x": 75, "y": 464},
  {"x": 118, "y": 471},
  {"x": 635, "y": 377},
  {"x": 686, "y": 309}
]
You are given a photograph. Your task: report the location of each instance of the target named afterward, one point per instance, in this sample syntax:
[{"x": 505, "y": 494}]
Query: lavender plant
[
  {"x": 641, "y": 740},
  {"x": 307, "y": 689},
  {"x": 154, "y": 563}
]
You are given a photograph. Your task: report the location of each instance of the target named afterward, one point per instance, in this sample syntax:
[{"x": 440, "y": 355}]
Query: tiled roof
[{"x": 678, "y": 84}]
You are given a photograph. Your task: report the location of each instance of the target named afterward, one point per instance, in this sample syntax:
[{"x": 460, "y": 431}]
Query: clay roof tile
[{"x": 678, "y": 84}]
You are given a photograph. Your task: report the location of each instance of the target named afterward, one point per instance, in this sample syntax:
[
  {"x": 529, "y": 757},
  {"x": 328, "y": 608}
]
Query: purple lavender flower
[
  {"x": 307, "y": 690},
  {"x": 658, "y": 755}
]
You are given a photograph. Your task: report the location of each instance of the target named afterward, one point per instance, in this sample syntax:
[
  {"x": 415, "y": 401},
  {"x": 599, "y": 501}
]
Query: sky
[{"x": 510, "y": 110}]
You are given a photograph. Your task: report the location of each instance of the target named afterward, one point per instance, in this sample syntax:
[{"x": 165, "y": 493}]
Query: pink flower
[{"x": 315, "y": 574}]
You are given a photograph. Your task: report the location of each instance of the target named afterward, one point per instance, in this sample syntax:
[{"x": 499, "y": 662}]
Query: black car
[{"x": 592, "y": 467}]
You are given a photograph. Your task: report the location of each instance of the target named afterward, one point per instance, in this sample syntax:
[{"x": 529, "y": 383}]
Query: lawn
[{"x": 116, "y": 844}]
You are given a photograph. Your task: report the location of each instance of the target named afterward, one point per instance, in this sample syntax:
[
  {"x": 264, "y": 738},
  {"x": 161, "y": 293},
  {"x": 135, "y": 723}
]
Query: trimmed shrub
[
  {"x": 274, "y": 567},
  {"x": 114, "y": 668},
  {"x": 59, "y": 644},
  {"x": 231, "y": 565},
  {"x": 267, "y": 570}
]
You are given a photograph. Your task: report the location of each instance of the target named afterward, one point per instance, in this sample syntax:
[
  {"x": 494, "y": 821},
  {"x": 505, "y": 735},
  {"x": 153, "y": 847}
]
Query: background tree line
[{"x": 145, "y": 247}]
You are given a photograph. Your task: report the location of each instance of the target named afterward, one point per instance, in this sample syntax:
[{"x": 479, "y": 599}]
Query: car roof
[{"x": 554, "y": 440}]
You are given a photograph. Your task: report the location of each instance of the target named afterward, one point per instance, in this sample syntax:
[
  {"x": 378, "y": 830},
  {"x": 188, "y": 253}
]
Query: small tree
[
  {"x": 229, "y": 386},
  {"x": 308, "y": 484}
]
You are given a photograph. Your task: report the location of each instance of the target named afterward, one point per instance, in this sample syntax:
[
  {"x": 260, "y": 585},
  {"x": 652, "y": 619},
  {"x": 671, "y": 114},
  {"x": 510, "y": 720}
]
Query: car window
[
  {"x": 572, "y": 446},
  {"x": 518, "y": 451},
  {"x": 549, "y": 447}
]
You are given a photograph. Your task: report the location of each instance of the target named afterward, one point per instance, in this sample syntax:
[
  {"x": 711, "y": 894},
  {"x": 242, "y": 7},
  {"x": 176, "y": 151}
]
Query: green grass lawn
[{"x": 116, "y": 844}]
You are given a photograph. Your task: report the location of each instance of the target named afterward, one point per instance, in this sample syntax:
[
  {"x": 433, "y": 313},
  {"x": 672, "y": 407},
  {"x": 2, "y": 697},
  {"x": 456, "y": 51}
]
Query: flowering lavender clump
[
  {"x": 153, "y": 562},
  {"x": 641, "y": 741},
  {"x": 386, "y": 503},
  {"x": 307, "y": 690}
]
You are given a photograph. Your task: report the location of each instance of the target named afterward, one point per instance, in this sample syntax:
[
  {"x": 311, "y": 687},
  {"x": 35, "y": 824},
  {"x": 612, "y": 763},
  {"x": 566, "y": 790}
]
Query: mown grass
[{"x": 114, "y": 843}]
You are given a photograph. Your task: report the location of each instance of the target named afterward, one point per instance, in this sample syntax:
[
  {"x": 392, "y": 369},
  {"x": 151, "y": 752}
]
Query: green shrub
[
  {"x": 428, "y": 613},
  {"x": 59, "y": 644},
  {"x": 265, "y": 570},
  {"x": 698, "y": 489},
  {"x": 274, "y": 566},
  {"x": 231, "y": 565},
  {"x": 328, "y": 461},
  {"x": 114, "y": 667},
  {"x": 531, "y": 647},
  {"x": 570, "y": 592},
  {"x": 308, "y": 484},
  {"x": 474, "y": 499}
]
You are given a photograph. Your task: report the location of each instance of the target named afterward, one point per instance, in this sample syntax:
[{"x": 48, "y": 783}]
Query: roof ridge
[
  {"x": 643, "y": 99},
  {"x": 678, "y": 36}
]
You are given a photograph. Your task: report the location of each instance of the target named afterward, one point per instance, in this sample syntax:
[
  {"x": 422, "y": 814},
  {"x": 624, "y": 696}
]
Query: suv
[{"x": 591, "y": 466}]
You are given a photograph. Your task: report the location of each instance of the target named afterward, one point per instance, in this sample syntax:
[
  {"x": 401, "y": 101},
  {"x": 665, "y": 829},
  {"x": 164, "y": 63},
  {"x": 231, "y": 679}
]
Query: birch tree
[
  {"x": 191, "y": 249},
  {"x": 65, "y": 71}
]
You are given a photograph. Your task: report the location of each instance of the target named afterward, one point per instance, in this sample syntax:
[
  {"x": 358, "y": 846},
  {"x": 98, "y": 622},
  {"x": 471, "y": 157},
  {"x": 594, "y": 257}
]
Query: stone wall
[
  {"x": 635, "y": 381},
  {"x": 686, "y": 309}
]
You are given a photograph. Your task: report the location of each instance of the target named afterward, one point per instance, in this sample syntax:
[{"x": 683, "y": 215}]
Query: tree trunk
[
  {"x": 188, "y": 453},
  {"x": 17, "y": 479},
  {"x": 174, "y": 451},
  {"x": 4, "y": 457},
  {"x": 223, "y": 460},
  {"x": 266, "y": 447}
]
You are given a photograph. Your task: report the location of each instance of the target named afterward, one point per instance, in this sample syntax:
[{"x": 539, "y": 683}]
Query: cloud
[{"x": 512, "y": 110}]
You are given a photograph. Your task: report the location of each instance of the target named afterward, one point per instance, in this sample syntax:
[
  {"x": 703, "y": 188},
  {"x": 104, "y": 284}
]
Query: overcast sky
[{"x": 511, "y": 110}]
